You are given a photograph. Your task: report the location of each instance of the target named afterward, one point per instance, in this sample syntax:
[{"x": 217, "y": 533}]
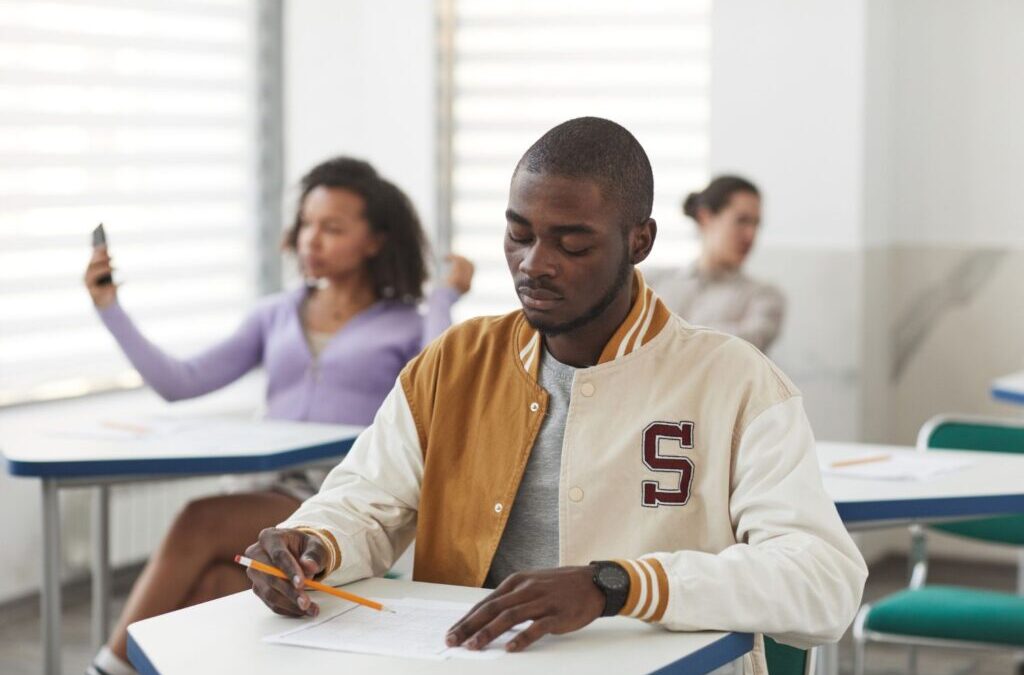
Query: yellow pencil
[
  {"x": 860, "y": 460},
  {"x": 336, "y": 592},
  {"x": 124, "y": 426}
]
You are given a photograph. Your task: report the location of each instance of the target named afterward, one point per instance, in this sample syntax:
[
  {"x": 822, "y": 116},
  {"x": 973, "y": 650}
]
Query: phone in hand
[{"x": 99, "y": 238}]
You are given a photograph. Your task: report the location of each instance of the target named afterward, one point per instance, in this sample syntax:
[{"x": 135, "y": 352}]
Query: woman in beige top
[{"x": 714, "y": 291}]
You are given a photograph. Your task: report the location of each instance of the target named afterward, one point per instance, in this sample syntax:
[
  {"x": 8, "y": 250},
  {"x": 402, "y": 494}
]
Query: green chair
[
  {"x": 786, "y": 660},
  {"x": 952, "y": 616}
]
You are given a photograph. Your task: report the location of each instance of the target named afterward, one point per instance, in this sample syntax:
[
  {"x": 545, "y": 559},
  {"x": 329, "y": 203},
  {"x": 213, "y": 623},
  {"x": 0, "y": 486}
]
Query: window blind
[
  {"x": 139, "y": 114},
  {"x": 519, "y": 67}
]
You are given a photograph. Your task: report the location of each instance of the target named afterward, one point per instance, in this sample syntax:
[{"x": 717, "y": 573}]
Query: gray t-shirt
[{"x": 530, "y": 539}]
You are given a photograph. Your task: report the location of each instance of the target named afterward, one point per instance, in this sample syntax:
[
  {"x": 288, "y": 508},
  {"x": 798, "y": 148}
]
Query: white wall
[
  {"x": 786, "y": 111},
  {"x": 960, "y": 81},
  {"x": 360, "y": 81},
  {"x": 885, "y": 137},
  {"x": 787, "y": 98}
]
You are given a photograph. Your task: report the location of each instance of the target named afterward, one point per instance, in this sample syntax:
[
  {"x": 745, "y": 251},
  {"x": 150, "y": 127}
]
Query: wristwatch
[{"x": 612, "y": 579}]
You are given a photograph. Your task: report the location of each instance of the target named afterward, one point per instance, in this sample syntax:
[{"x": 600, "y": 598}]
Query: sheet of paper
[
  {"x": 127, "y": 429},
  {"x": 194, "y": 435},
  {"x": 416, "y": 629},
  {"x": 900, "y": 466}
]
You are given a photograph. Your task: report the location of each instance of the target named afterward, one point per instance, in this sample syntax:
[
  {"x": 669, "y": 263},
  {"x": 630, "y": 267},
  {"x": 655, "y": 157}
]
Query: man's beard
[{"x": 621, "y": 276}]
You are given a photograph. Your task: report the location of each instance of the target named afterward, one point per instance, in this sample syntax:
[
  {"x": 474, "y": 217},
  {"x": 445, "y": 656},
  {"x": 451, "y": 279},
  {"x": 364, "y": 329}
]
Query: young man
[{"x": 592, "y": 425}]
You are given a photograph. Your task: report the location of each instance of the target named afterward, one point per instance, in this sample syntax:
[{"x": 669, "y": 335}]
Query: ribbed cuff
[
  {"x": 330, "y": 544},
  {"x": 648, "y": 589}
]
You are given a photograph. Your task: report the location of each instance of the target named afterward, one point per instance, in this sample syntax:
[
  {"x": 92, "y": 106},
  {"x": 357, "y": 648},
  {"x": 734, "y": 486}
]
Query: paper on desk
[
  {"x": 900, "y": 466},
  {"x": 416, "y": 629},
  {"x": 196, "y": 434},
  {"x": 116, "y": 429}
]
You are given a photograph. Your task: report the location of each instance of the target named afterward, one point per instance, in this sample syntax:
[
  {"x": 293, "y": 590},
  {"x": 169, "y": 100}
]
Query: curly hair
[{"x": 399, "y": 270}]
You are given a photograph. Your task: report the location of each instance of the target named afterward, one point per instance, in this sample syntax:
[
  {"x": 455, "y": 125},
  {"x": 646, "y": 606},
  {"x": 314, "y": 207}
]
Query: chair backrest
[
  {"x": 786, "y": 660},
  {"x": 948, "y": 432}
]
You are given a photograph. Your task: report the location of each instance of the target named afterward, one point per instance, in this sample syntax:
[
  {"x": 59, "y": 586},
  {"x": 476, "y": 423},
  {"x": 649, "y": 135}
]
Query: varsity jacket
[{"x": 687, "y": 457}]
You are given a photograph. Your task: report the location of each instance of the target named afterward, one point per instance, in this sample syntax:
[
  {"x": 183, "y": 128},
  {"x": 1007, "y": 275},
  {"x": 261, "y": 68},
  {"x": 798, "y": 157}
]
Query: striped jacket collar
[{"x": 646, "y": 319}]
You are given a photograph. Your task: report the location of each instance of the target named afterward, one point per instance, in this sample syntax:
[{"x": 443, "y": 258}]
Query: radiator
[{"x": 140, "y": 514}]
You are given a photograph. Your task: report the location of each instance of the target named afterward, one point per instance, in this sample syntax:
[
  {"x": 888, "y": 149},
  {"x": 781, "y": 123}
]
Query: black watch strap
[{"x": 613, "y": 580}]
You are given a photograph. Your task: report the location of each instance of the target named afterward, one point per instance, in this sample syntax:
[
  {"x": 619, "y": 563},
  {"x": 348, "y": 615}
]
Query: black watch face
[{"x": 613, "y": 578}]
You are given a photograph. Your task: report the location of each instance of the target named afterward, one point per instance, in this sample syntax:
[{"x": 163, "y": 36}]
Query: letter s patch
[{"x": 681, "y": 432}]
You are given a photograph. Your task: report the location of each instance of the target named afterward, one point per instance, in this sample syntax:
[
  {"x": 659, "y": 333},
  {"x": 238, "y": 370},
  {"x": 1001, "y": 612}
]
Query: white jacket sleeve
[
  {"x": 795, "y": 574},
  {"x": 367, "y": 506}
]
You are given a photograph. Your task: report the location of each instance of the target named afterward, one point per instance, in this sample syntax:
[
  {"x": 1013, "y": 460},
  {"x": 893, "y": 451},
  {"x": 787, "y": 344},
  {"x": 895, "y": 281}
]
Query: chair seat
[
  {"x": 1003, "y": 529},
  {"x": 951, "y": 613}
]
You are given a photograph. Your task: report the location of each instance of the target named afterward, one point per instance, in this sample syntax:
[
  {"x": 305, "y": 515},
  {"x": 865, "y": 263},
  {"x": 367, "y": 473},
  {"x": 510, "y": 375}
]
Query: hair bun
[{"x": 690, "y": 204}]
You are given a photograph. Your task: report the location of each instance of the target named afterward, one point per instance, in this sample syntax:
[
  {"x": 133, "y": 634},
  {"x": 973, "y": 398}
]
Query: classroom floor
[{"x": 20, "y": 646}]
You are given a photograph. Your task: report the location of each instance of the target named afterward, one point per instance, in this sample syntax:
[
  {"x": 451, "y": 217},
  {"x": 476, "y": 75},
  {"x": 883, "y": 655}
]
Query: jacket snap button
[
  {"x": 498, "y": 507},
  {"x": 576, "y": 494},
  {"x": 534, "y": 407},
  {"x": 587, "y": 389}
]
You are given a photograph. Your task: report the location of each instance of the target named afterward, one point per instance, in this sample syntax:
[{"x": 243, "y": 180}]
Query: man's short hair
[{"x": 602, "y": 151}]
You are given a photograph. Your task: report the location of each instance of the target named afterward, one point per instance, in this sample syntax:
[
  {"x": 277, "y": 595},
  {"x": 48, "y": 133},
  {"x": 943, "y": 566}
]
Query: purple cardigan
[{"x": 345, "y": 385}]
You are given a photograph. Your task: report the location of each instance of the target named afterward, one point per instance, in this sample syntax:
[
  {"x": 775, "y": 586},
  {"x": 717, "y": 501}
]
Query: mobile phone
[{"x": 99, "y": 238}]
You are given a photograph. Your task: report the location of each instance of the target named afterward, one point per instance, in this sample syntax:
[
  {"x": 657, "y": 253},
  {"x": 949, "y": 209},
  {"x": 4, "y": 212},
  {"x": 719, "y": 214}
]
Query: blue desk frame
[
  {"x": 937, "y": 508},
  {"x": 1008, "y": 395}
]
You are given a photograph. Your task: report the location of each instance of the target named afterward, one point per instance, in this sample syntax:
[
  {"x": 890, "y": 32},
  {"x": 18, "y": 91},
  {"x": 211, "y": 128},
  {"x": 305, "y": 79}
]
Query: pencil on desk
[
  {"x": 316, "y": 585},
  {"x": 124, "y": 426},
  {"x": 859, "y": 460}
]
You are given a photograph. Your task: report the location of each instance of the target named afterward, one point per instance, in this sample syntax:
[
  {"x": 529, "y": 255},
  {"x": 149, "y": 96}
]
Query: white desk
[
  {"x": 230, "y": 444},
  {"x": 992, "y": 485},
  {"x": 224, "y": 636},
  {"x": 1010, "y": 388}
]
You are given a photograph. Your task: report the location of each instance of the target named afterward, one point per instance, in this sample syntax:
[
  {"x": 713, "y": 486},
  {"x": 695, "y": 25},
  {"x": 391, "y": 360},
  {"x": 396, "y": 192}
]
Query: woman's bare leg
[
  {"x": 218, "y": 580},
  {"x": 207, "y": 533}
]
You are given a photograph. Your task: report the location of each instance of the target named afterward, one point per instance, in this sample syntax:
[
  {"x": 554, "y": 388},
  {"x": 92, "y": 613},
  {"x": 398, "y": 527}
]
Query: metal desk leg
[
  {"x": 827, "y": 659},
  {"x": 100, "y": 565},
  {"x": 50, "y": 594},
  {"x": 1020, "y": 591}
]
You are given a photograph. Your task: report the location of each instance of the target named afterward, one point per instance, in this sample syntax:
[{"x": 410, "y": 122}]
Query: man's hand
[
  {"x": 299, "y": 555},
  {"x": 558, "y": 601}
]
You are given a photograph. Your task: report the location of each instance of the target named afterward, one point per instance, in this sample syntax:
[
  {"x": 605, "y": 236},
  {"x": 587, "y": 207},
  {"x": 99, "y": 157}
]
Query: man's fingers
[
  {"x": 273, "y": 542},
  {"x": 505, "y": 620},
  {"x": 264, "y": 583},
  {"x": 280, "y": 595},
  {"x": 255, "y": 551},
  {"x": 313, "y": 558},
  {"x": 481, "y": 613},
  {"x": 484, "y": 614},
  {"x": 531, "y": 634},
  {"x": 281, "y": 603}
]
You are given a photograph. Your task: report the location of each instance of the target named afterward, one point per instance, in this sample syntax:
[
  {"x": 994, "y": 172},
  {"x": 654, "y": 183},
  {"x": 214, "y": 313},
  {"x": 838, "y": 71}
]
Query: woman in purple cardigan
[{"x": 331, "y": 351}]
